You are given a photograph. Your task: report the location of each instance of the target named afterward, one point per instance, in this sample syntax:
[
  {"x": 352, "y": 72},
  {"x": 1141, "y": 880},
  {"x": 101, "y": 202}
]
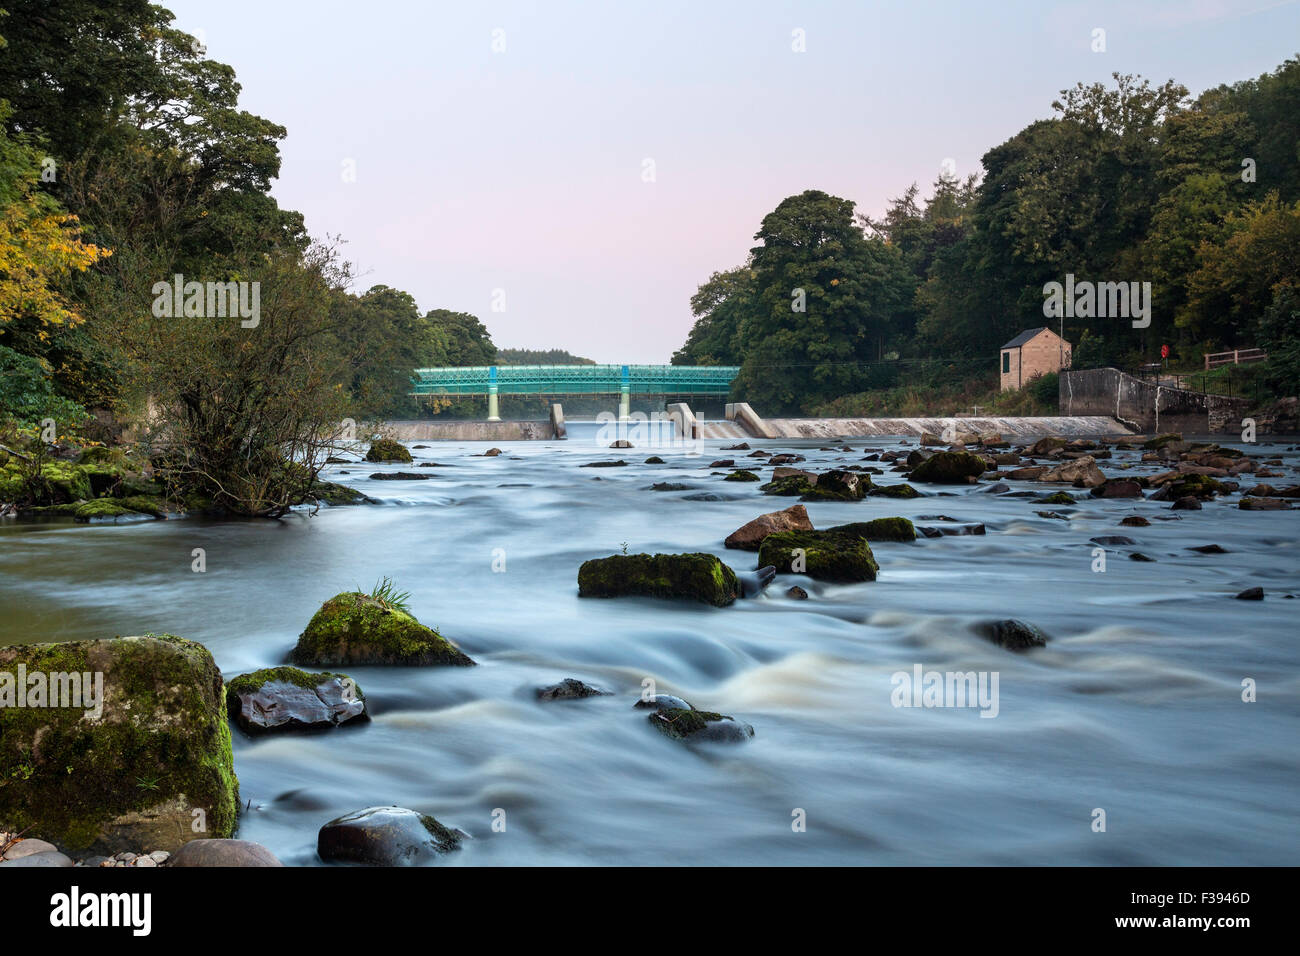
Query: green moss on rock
[
  {"x": 839, "y": 485},
  {"x": 385, "y": 449},
  {"x": 355, "y": 628},
  {"x": 696, "y": 576},
  {"x": 825, "y": 555},
  {"x": 787, "y": 486},
  {"x": 895, "y": 491},
  {"x": 740, "y": 474},
  {"x": 132, "y": 772},
  {"x": 1160, "y": 441},
  {"x": 880, "y": 529}
]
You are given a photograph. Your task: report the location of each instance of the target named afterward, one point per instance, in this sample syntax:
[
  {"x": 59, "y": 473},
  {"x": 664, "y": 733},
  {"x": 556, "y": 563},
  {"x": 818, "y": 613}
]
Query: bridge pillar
[
  {"x": 624, "y": 395},
  {"x": 494, "y": 413}
]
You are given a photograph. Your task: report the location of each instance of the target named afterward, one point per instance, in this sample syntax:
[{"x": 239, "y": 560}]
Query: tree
[{"x": 720, "y": 307}]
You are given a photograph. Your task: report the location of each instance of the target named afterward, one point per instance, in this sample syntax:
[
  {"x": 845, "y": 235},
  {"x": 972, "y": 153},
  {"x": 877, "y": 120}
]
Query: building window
[{"x": 1006, "y": 362}]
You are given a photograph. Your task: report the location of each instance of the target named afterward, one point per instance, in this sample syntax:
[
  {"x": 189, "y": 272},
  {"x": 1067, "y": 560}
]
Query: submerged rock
[
  {"x": 569, "y": 689},
  {"x": 1264, "y": 504},
  {"x": 1135, "y": 521},
  {"x": 692, "y": 724},
  {"x": 697, "y": 576},
  {"x": 1013, "y": 634},
  {"x": 894, "y": 491},
  {"x": 400, "y": 476},
  {"x": 356, "y": 628},
  {"x": 824, "y": 555},
  {"x": 286, "y": 698},
  {"x": 749, "y": 536},
  {"x": 797, "y": 593},
  {"x": 662, "y": 702},
  {"x": 752, "y": 583},
  {"x": 385, "y": 836},
  {"x": 1251, "y": 594},
  {"x": 385, "y": 449},
  {"x": 126, "y": 770},
  {"x": 949, "y": 468}
]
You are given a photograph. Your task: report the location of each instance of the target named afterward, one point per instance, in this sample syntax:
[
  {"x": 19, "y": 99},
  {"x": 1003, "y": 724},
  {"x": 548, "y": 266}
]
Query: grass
[{"x": 386, "y": 593}]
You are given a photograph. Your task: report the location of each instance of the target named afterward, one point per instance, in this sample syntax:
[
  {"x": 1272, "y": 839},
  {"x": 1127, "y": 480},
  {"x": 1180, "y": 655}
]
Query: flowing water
[{"x": 1135, "y": 707}]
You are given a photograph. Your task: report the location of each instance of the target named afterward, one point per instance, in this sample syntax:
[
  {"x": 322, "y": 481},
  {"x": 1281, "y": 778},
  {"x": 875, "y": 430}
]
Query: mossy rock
[
  {"x": 106, "y": 508},
  {"x": 697, "y": 576},
  {"x": 354, "y": 628},
  {"x": 286, "y": 698},
  {"x": 133, "y": 774},
  {"x": 895, "y": 491},
  {"x": 880, "y": 529},
  {"x": 1057, "y": 498},
  {"x": 1197, "y": 486},
  {"x": 839, "y": 485},
  {"x": 788, "y": 486},
  {"x": 740, "y": 474},
  {"x": 692, "y": 724},
  {"x": 385, "y": 449},
  {"x": 333, "y": 493},
  {"x": 949, "y": 468},
  {"x": 826, "y": 555},
  {"x": 1160, "y": 441}
]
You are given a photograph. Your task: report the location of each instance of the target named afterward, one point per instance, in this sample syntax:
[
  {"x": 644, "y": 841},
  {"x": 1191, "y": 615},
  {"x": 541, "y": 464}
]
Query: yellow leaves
[{"x": 40, "y": 243}]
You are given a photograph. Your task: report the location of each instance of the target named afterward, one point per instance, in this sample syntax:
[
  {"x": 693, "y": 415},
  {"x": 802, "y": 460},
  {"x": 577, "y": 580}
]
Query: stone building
[{"x": 1032, "y": 353}]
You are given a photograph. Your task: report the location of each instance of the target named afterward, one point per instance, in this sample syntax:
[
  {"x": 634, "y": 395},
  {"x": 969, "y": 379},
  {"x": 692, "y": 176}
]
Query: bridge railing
[{"x": 575, "y": 380}]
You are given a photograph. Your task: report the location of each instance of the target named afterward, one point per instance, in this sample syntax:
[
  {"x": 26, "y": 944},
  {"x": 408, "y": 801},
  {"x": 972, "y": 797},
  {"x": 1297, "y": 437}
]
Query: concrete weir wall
[
  {"x": 472, "y": 431},
  {"x": 1077, "y": 426},
  {"x": 1146, "y": 407}
]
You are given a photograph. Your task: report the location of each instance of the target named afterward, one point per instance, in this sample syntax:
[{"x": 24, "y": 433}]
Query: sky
[{"x": 571, "y": 173}]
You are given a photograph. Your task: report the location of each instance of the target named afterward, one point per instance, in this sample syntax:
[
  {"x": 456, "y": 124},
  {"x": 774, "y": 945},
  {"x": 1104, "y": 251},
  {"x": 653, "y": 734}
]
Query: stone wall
[{"x": 1147, "y": 407}]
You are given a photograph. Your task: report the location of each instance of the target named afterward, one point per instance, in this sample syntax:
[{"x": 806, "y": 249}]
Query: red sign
[{"x": 1164, "y": 351}]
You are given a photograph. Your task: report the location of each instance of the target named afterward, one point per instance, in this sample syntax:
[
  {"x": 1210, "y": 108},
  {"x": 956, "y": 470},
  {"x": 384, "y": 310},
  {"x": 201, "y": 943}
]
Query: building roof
[{"x": 1025, "y": 336}]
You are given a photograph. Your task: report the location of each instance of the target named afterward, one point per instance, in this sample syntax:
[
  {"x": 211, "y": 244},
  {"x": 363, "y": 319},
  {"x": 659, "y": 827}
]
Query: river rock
[
  {"x": 354, "y": 628},
  {"x": 1189, "y": 503},
  {"x": 824, "y": 555},
  {"x": 1030, "y": 473},
  {"x": 1081, "y": 472},
  {"x": 1112, "y": 540},
  {"x": 797, "y": 593},
  {"x": 1251, "y": 594},
  {"x": 491, "y": 453},
  {"x": 1013, "y": 634},
  {"x": 654, "y": 460},
  {"x": 662, "y": 702},
  {"x": 1045, "y": 446},
  {"x": 1263, "y": 504},
  {"x": 743, "y": 446},
  {"x": 1117, "y": 488},
  {"x": 697, "y": 576},
  {"x": 242, "y": 853},
  {"x": 127, "y": 773},
  {"x": 44, "y": 859},
  {"x": 749, "y": 536},
  {"x": 385, "y": 449},
  {"x": 838, "y": 485},
  {"x": 670, "y": 486},
  {"x": 1209, "y": 549},
  {"x": 569, "y": 689},
  {"x": 286, "y": 698},
  {"x": 385, "y": 836},
  {"x": 621, "y": 443},
  {"x": 700, "y": 725},
  {"x": 741, "y": 474},
  {"x": 894, "y": 491},
  {"x": 724, "y": 463},
  {"x": 399, "y": 476},
  {"x": 949, "y": 468},
  {"x": 879, "y": 529},
  {"x": 1135, "y": 521},
  {"x": 28, "y": 847}
]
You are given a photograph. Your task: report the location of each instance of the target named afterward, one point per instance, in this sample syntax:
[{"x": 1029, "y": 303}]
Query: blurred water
[{"x": 1134, "y": 707}]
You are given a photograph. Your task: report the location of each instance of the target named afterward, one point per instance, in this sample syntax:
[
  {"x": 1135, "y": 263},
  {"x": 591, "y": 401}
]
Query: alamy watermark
[
  {"x": 208, "y": 300},
  {"x": 1101, "y": 300},
  {"x": 55, "y": 689},
  {"x": 922, "y": 688}
]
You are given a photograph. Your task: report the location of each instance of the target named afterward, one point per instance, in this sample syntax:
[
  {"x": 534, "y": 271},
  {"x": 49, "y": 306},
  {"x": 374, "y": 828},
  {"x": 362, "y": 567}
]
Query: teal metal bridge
[{"x": 621, "y": 380}]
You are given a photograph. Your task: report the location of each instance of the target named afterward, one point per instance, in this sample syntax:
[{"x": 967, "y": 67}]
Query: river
[{"x": 1135, "y": 707}]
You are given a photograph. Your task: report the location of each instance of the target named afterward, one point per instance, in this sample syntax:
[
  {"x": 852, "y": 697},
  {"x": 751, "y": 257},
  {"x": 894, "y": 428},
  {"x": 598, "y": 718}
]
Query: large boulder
[
  {"x": 286, "y": 698},
  {"x": 749, "y": 536},
  {"x": 148, "y": 763},
  {"x": 1045, "y": 446},
  {"x": 385, "y": 449},
  {"x": 1081, "y": 472},
  {"x": 949, "y": 468},
  {"x": 696, "y": 576},
  {"x": 385, "y": 836},
  {"x": 825, "y": 555},
  {"x": 354, "y": 628}
]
